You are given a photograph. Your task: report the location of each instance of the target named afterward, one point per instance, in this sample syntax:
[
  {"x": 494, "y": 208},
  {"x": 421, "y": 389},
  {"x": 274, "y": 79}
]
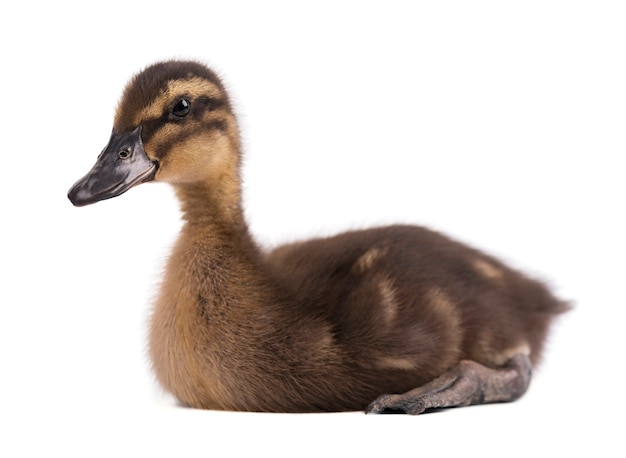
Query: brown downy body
[{"x": 322, "y": 325}]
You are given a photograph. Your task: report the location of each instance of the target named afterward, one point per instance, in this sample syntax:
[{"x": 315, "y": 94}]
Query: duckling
[{"x": 397, "y": 318}]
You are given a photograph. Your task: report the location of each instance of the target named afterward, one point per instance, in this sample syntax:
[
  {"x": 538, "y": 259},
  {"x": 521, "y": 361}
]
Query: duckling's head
[{"x": 174, "y": 123}]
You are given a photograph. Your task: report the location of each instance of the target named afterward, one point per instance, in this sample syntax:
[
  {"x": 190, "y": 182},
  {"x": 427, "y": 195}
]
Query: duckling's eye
[{"x": 182, "y": 108}]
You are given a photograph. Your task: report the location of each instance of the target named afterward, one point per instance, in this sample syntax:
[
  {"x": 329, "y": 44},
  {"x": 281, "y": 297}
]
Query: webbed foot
[{"x": 467, "y": 383}]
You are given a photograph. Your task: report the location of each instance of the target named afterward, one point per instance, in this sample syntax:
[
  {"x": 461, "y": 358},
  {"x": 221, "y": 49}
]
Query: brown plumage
[{"x": 323, "y": 325}]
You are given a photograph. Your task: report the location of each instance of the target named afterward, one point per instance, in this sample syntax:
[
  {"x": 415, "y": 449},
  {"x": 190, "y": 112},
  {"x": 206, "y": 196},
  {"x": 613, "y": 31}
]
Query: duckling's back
[{"x": 405, "y": 298}]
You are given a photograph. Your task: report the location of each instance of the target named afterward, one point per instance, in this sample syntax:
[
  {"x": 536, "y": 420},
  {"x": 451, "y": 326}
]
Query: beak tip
[
  {"x": 74, "y": 196},
  {"x": 81, "y": 193}
]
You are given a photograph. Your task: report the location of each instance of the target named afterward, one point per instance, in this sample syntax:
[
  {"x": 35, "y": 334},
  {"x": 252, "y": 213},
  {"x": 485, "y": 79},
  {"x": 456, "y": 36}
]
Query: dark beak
[{"x": 122, "y": 164}]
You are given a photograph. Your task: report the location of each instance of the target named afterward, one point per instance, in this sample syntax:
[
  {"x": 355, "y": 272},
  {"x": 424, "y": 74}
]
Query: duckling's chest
[{"x": 182, "y": 342}]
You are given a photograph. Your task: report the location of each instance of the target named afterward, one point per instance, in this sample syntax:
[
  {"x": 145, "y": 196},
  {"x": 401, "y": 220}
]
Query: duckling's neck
[{"x": 214, "y": 212}]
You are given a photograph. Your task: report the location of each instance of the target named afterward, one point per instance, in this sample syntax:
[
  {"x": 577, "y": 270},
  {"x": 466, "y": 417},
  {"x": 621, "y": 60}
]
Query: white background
[{"x": 500, "y": 123}]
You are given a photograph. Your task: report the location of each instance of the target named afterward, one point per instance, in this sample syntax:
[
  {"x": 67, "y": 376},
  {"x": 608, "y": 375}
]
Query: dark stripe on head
[
  {"x": 200, "y": 107},
  {"x": 148, "y": 85}
]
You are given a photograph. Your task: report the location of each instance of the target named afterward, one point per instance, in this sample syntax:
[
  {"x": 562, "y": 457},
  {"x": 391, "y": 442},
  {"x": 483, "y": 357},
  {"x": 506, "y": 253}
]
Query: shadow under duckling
[{"x": 396, "y": 318}]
